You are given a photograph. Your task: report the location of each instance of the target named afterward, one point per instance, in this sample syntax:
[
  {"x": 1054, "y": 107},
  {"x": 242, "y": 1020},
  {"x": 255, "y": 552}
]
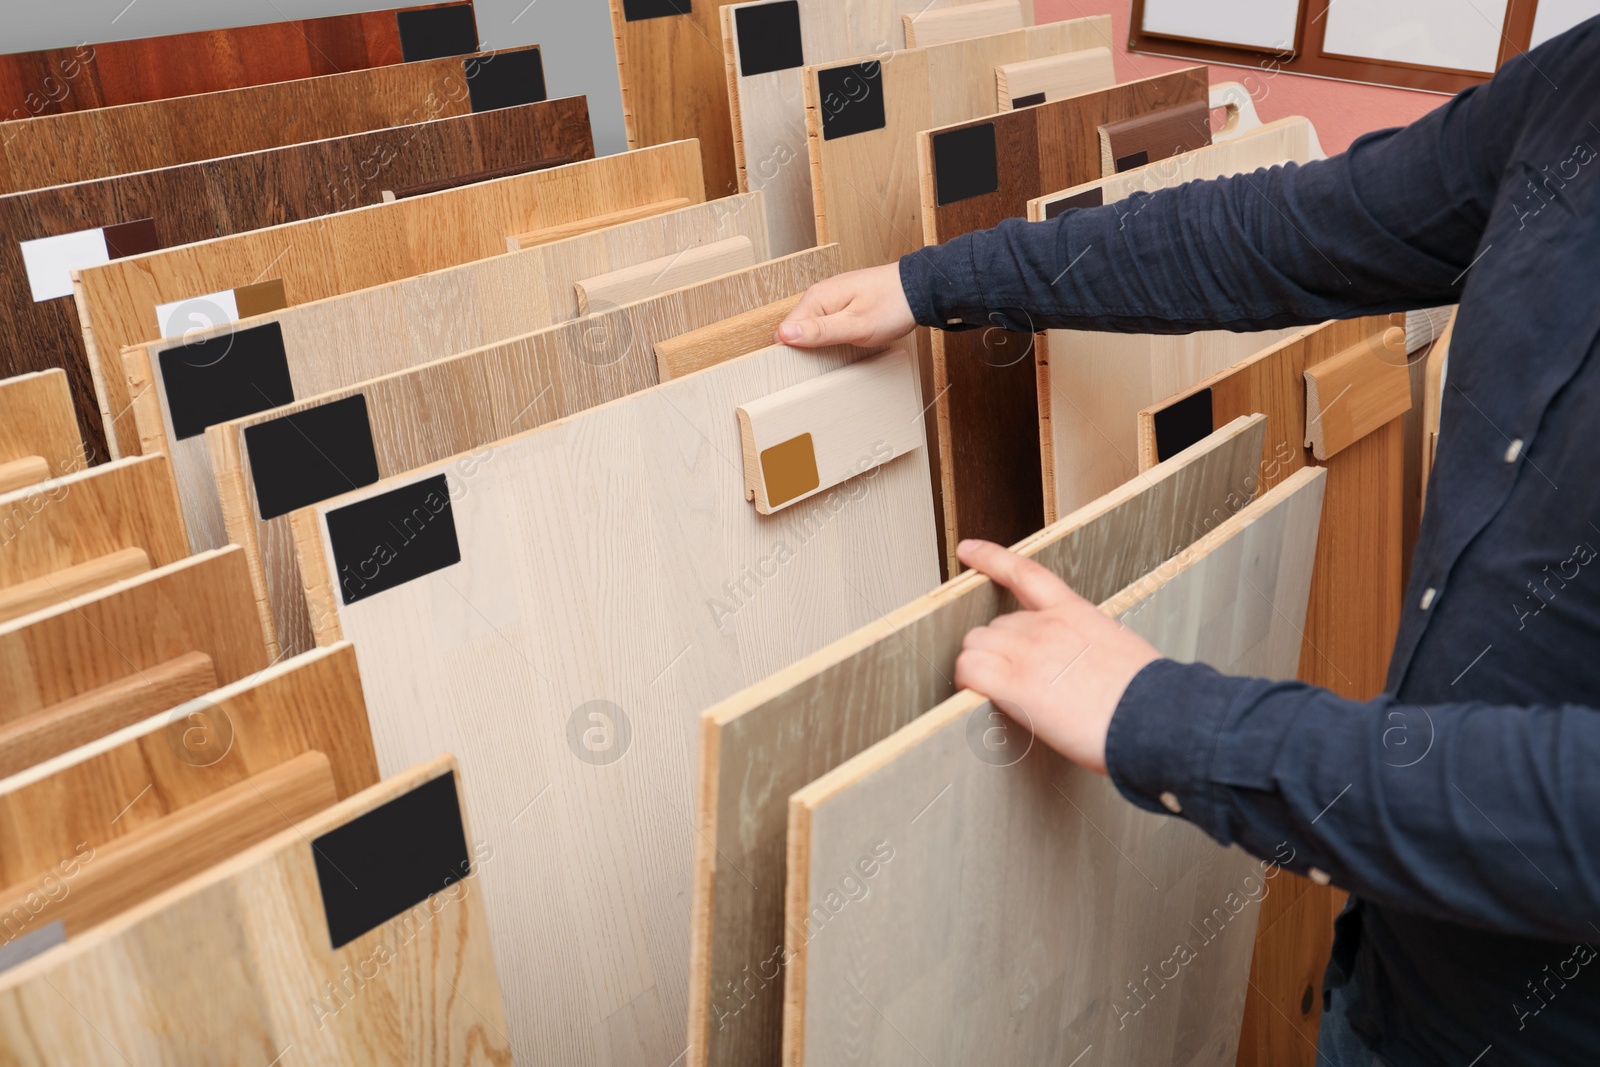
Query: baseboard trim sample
[
  {"x": 655, "y": 276},
  {"x": 965, "y": 21},
  {"x": 719, "y": 342},
  {"x": 1146, "y": 139},
  {"x": 37, "y": 419},
  {"x": 1351, "y": 395},
  {"x": 1036, "y": 81}
]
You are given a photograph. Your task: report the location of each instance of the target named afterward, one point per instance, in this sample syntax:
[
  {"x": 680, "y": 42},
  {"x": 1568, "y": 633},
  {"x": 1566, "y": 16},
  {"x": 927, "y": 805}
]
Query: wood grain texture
[
  {"x": 985, "y": 383},
  {"x": 1052, "y": 77},
  {"x": 59, "y": 586},
  {"x": 317, "y": 258},
  {"x": 235, "y": 966},
  {"x": 199, "y": 604},
  {"x": 963, "y": 22},
  {"x": 463, "y": 403},
  {"x": 89, "y": 515},
  {"x": 566, "y": 657},
  {"x": 103, "y": 710},
  {"x": 23, "y": 472},
  {"x": 1283, "y": 1012},
  {"x": 546, "y": 234},
  {"x": 655, "y": 276},
  {"x": 760, "y": 745},
  {"x": 56, "y": 80},
  {"x": 940, "y": 879},
  {"x": 1146, "y": 139},
  {"x": 212, "y": 198},
  {"x": 344, "y": 339},
  {"x": 1351, "y": 395},
  {"x": 721, "y": 341},
  {"x": 36, "y": 419},
  {"x": 1092, "y": 385}
]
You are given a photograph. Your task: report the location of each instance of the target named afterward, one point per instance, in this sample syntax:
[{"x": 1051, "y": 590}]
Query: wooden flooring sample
[
  {"x": 265, "y": 468},
  {"x": 270, "y": 951},
  {"x": 55, "y": 80},
  {"x": 985, "y": 387},
  {"x": 1092, "y": 384},
  {"x": 53, "y": 231},
  {"x": 721, "y": 341},
  {"x": 341, "y": 340},
  {"x": 199, "y": 604},
  {"x": 37, "y": 421},
  {"x": 951, "y": 899},
  {"x": 566, "y": 609},
  {"x": 760, "y": 745},
  {"x": 357, "y": 249},
  {"x": 1035, "y": 81}
]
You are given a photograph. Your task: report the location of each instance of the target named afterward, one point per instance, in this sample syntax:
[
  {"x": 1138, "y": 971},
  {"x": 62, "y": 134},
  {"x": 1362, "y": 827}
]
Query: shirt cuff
[{"x": 932, "y": 276}]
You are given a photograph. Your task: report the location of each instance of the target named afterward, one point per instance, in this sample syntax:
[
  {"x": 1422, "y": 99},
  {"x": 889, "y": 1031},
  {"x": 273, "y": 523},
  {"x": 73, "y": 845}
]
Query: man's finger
[
  {"x": 1036, "y": 588},
  {"x": 990, "y": 639},
  {"x": 815, "y": 332},
  {"x": 982, "y": 672}
]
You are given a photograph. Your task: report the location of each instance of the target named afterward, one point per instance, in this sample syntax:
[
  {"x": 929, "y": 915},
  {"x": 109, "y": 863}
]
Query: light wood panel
[
  {"x": 565, "y": 658},
  {"x": 36, "y": 420},
  {"x": 237, "y": 965},
  {"x": 545, "y": 234},
  {"x": 760, "y": 745},
  {"x": 59, "y": 586},
  {"x": 357, "y": 249},
  {"x": 344, "y": 339},
  {"x": 199, "y": 604},
  {"x": 656, "y": 276},
  {"x": 965, "y": 21},
  {"x": 1035, "y": 81},
  {"x": 1352, "y": 395},
  {"x": 1092, "y": 385},
  {"x": 954, "y": 900},
  {"x": 984, "y": 384},
  {"x": 721, "y": 341},
  {"x": 20, "y": 473},
  {"x": 471, "y": 400}
]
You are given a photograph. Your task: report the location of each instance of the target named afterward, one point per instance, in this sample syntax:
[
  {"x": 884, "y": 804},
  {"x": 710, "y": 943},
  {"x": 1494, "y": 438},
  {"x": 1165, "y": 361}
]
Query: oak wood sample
[
  {"x": 992, "y": 902},
  {"x": 565, "y": 657},
  {"x": 1035, "y": 81},
  {"x": 468, "y": 401},
  {"x": 37, "y": 421},
  {"x": 1352, "y": 395},
  {"x": 721, "y": 341},
  {"x": 237, "y": 965},
  {"x": 985, "y": 386},
  {"x": 760, "y": 745},
  {"x": 215, "y": 197},
  {"x": 368, "y": 246},
  {"x": 674, "y": 271},
  {"x": 54, "y": 80},
  {"x": 23, "y": 472}
]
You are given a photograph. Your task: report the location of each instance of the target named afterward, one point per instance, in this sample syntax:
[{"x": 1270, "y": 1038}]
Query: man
[{"x": 1461, "y": 808}]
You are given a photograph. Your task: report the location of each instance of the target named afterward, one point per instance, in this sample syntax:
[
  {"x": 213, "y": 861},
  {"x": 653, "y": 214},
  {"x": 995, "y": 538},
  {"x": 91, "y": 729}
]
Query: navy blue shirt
[{"x": 1462, "y": 807}]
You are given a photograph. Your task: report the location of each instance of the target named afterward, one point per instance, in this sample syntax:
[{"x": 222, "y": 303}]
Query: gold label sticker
[
  {"x": 790, "y": 469},
  {"x": 260, "y": 298}
]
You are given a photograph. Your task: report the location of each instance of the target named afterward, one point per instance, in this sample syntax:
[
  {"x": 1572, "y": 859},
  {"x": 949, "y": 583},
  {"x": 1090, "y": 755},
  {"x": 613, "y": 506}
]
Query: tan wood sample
[
  {"x": 545, "y": 234},
  {"x": 1351, "y": 395},
  {"x": 19, "y": 473},
  {"x": 356, "y": 249},
  {"x": 764, "y": 743},
  {"x": 37, "y": 420},
  {"x": 721, "y": 341},
  {"x": 1011, "y": 904},
  {"x": 1035, "y": 81},
  {"x": 236, "y": 965},
  {"x": 656, "y": 276},
  {"x": 565, "y": 658},
  {"x": 60, "y": 586},
  {"x": 965, "y": 21}
]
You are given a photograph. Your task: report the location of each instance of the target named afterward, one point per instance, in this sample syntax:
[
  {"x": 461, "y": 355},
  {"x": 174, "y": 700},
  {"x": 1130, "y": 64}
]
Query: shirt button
[
  {"x": 1170, "y": 801},
  {"x": 1514, "y": 450},
  {"x": 1318, "y": 875},
  {"x": 1427, "y": 597}
]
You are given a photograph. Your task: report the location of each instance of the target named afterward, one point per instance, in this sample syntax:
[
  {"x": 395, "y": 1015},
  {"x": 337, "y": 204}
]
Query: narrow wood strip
[
  {"x": 458, "y": 180},
  {"x": 596, "y": 222},
  {"x": 722, "y": 341},
  {"x": 17, "y": 473},
  {"x": 60, "y": 586},
  {"x": 962, "y": 22},
  {"x": 1037, "y": 81},
  {"x": 1350, "y": 396},
  {"x": 653, "y": 277}
]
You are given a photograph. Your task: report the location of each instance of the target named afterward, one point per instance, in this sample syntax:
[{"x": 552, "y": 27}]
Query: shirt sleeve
[{"x": 1475, "y": 813}]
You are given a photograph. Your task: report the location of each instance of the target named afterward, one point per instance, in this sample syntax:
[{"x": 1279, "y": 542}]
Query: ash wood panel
[
  {"x": 199, "y": 604},
  {"x": 721, "y": 341},
  {"x": 478, "y": 397},
  {"x": 1092, "y": 385},
  {"x": 760, "y": 745},
  {"x": 984, "y": 380},
  {"x": 216, "y": 197},
  {"x": 655, "y": 276},
  {"x": 1052, "y": 77},
  {"x": 36, "y": 419},
  {"x": 1016, "y": 908},
  {"x": 236, "y": 966},
  {"x": 56, "y": 587},
  {"x": 56, "y": 80},
  {"x": 1351, "y": 395},
  {"x": 317, "y": 258},
  {"x": 341, "y": 340},
  {"x": 571, "y": 590}
]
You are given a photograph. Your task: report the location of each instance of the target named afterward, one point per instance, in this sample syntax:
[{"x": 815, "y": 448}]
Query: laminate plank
[
  {"x": 199, "y": 604},
  {"x": 36, "y": 419},
  {"x": 58, "y": 586},
  {"x": 237, "y": 965},
  {"x": 1092, "y": 384},
  {"x": 656, "y": 276},
  {"x": 764, "y": 743},
  {"x": 447, "y": 407},
  {"x": 56, "y": 80},
  {"x": 939, "y": 877},
  {"x": 721, "y": 341},
  {"x": 565, "y": 657},
  {"x": 985, "y": 384},
  {"x": 344, "y": 339},
  {"x": 357, "y": 249},
  {"x": 1283, "y": 1012},
  {"x": 216, "y": 197},
  {"x": 546, "y": 234}
]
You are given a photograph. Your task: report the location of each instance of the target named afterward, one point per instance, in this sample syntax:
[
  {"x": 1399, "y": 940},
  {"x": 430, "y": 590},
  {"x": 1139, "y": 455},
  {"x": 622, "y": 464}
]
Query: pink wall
[{"x": 1341, "y": 111}]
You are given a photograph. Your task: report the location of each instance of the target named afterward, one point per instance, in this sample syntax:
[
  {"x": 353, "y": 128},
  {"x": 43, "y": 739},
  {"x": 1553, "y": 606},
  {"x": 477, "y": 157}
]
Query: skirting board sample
[
  {"x": 721, "y": 341},
  {"x": 199, "y": 604},
  {"x": 49, "y": 232},
  {"x": 243, "y": 962},
  {"x": 565, "y": 658},
  {"x": 655, "y": 276},
  {"x": 351, "y": 250},
  {"x": 1005, "y": 904},
  {"x": 82, "y": 145},
  {"x": 762, "y": 744},
  {"x": 55, "y": 80},
  {"x": 341, "y": 340},
  {"x": 984, "y": 380},
  {"x": 943, "y": 25},
  {"x": 866, "y": 191},
  {"x": 1035, "y": 81},
  {"x": 1092, "y": 385},
  {"x": 469, "y": 401},
  {"x": 37, "y": 422}
]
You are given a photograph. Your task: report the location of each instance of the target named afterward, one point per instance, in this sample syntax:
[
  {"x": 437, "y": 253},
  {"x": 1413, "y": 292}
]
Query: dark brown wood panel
[
  {"x": 88, "y": 76},
  {"x": 199, "y": 201}
]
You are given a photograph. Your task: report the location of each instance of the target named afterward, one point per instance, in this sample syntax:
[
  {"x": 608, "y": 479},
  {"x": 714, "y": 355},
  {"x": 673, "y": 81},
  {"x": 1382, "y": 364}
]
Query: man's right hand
[{"x": 864, "y": 307}]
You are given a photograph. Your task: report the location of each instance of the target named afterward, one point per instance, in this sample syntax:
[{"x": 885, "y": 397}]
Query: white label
[
  {"x": 50, "y": 261},
  {"x": 1455, "y": 34},
  {"x": 183, "y": 317},
  {"x": 1268, "y": 24}
]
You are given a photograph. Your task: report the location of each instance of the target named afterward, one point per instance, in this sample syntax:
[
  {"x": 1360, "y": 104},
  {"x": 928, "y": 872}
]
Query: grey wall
[{"x": 580, "y": 57}]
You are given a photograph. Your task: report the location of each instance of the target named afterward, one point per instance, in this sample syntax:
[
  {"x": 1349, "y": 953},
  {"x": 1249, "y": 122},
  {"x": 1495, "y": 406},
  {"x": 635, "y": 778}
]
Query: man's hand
[
  {"x": 1060, "y": 666},
  {"x": 863, "y": 307}
]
